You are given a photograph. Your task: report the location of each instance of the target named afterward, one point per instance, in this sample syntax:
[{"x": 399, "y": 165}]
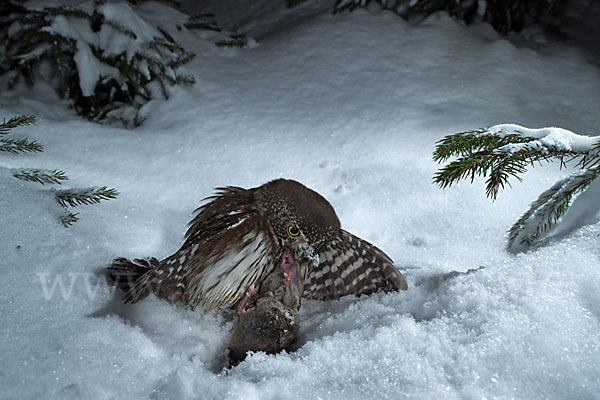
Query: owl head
[{"x": 299, "y": 217}]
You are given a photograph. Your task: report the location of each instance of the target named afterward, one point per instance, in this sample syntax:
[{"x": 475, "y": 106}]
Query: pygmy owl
[{"x": 241, "y": 235}]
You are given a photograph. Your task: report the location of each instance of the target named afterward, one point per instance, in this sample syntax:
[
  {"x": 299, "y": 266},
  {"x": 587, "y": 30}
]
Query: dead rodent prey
[{"x": 269, "y": 321}]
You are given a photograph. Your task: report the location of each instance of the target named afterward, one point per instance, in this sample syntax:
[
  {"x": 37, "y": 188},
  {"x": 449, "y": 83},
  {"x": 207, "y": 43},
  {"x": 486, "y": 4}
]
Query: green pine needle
[
  {"x": 550, "y": 207},
  {"x": 67, "y": 12},
  {"x": 500, "y": 158},
  {"x": 19, "y": 120},
  {"x": 74, "y": 198},
  {"x": 486, "y": 155},
  {"x": 185, "y": 80},
  {"x": 68, "y": 218},
  {"x": 121, "y": 29},
  {"x": 41, "y": 176},
  {"x": 204, "y": 21},
  {"x": 235, "y": 40},
  {"x": 20, "y": 146},
  {"x": 31, "y": 45}
]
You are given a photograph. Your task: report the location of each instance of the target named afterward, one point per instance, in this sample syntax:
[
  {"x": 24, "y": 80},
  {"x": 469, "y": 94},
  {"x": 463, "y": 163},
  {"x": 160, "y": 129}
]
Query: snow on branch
[
  {"x": 106, "y": 56},
  {"x": 502, "y": 152},
  {"x": 504, "y": 16},
  {"x": 549, "y": 208},
  {"x": 552, "y": 138}
]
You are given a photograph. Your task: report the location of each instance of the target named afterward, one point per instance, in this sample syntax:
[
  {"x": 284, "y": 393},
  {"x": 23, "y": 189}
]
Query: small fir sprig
[
  {"x": 41, "y": 176},
  {"x": 502, "y": 152},
  {"x": 68, "y": 218},
  {"x": 14, "y": 122},
  {"x": 203, "y": 21},
  {"x": 16, "y": 146},
  {"x": 235, "y": 40},
  {"x": 550, "y": 206},
  {"x": 504, "y": 16},
  {"x": 66, "y": 198},
  {"x": 77, "y": 197}
]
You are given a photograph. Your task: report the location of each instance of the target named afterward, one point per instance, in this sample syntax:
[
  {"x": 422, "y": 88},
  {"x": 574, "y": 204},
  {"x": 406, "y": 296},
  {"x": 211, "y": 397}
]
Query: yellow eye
[{"x": 293, "y": 231}]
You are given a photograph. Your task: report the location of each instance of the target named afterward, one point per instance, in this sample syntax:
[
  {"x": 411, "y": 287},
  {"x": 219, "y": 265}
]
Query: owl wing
[
  {"x": 227, "y": 249},
  {"x": 214, "y": 273},
  {"x": 350, "y": 265}
]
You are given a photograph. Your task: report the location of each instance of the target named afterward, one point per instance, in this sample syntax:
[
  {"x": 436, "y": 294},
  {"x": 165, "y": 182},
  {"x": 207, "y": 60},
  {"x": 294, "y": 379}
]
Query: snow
[
  {"x": 557, "y": 138},
  {"x": 351, "y": 106},
  {"x": 111, "y": 40},
  {"x": 546, "y": 210},
  {"x": 90, "y": 69}
]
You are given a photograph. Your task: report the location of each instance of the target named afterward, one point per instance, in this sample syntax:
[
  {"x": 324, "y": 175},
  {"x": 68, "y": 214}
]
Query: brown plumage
[{"x": 237, "y": 239}]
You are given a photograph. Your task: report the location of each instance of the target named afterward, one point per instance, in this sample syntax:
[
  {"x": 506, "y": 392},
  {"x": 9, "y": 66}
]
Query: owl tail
[{"x": 125, "y": 273}]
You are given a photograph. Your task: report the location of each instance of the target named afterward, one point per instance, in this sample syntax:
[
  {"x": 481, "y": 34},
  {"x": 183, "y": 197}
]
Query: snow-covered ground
[{"x": 351, "y": 106}]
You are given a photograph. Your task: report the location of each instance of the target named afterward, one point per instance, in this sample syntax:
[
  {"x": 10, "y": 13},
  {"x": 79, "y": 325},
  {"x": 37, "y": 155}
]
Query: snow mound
[{"x": 351, "y": 106}]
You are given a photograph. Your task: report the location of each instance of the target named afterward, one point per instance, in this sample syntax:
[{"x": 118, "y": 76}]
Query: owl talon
[{"x": 242, "y": 308}]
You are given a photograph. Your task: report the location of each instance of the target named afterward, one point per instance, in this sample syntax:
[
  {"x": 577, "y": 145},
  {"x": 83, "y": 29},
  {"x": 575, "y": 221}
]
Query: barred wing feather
[{"x": 350, "y": 265}]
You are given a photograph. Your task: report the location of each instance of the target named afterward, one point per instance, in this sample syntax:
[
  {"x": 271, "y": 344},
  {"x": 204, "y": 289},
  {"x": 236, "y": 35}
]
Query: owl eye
[{"x": 293, "y": 230}]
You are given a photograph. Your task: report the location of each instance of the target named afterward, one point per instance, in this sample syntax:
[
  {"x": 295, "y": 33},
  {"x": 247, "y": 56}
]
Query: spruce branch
[
  {"x": 20, "y": 146},
  {"x": 185, "y": 80},
  {"x": 502, "y": 152},
  {"x": 77, "y": 197},
  {"x": 235, "y": 40},
  {"x": 121, "y": 29},
  {"x": 68, "y": 218},
  {"x": 465, "y": 143},
  {"x": 34, "y": 39},
  {"x": 504, "y": 16},
  {"x": 168, "y": 36},
  {"x": 497, "y": 157},
  {"x": 184, "y": 58},
  {"x": 41, "y": 176},
  {"x": 203, "y": 21},
  {"x": 550, "y": 207},
  {"x": 19, "y": 120},
  {"x": 67, "y": 11},
  {"x": 66, "y": 198}
]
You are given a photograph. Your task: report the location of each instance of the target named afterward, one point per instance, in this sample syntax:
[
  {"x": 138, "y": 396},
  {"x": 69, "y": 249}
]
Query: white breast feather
[{"x": 224, "y": 281}]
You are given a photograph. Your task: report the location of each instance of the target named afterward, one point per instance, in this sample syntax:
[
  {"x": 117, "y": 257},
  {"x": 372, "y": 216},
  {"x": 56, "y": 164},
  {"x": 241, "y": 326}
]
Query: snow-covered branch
[
  {"x": 105, "y": 55},
  {"x": 549, "y": 208},
  {"x": 504, "y": 151}
]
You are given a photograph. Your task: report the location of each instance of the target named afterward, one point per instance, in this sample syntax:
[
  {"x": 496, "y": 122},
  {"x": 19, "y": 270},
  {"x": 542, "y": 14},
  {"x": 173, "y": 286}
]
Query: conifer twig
[
  {"x": 20, "y": 146},
  {"x": 19, "y": 120},
  {"x": 502, "y": 152},
  {"x": 68, "y": 218},
  {"x": 549, "y": 207},
  {"x": 204, "y": 21},
  {"x": 76, "y": 197},
  {"x": 496, "y": 157},
  {"x": 66, "y": 198},
  {"x": 126, "y": 78},
  {"x": 41, "y": 176}
]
